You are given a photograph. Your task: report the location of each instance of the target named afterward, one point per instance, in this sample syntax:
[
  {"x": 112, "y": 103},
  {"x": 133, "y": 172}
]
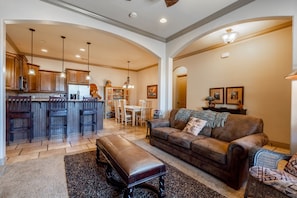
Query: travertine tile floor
[{"x": 18, "y": 152}]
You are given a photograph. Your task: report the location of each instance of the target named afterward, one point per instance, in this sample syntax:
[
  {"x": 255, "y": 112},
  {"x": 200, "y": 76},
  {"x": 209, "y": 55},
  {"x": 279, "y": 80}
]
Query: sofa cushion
[
  {"x": 237, "y": 126},
  {"x": 194, "y": 126},
  {"x": 278, "y": 179},
  {"x": 291, "y": 166},
  {"x": 163, "y": 132},
  {"x": 183, "y": 139},
  {"x": 211, "y": 148},
  {"x": 179, "y": 118}
]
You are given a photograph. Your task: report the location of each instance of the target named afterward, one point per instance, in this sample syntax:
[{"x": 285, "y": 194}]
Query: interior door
[{"x": 181, "y": 91}]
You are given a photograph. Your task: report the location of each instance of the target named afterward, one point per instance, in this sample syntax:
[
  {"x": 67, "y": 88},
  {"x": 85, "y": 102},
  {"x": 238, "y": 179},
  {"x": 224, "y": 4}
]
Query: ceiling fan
[{"x": 170, "y": 2}]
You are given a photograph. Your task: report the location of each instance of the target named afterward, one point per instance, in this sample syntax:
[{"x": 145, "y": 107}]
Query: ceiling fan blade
[{"x": 170, "y": 2}]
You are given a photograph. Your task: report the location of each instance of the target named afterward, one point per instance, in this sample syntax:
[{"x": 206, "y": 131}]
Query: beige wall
[
  {"x": 144, "y": 78},
  {"x": 258, "y": 64}
]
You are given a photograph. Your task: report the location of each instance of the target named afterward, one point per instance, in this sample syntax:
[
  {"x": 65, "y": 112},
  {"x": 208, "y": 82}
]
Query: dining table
[{"x": 134, "y": 109}]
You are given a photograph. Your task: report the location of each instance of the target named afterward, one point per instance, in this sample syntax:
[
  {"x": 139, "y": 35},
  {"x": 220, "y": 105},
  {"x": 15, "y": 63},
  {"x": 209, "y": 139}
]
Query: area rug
[{"x": 87, "y": 179}]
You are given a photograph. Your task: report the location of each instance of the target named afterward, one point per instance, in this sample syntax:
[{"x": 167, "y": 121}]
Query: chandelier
[{"x": 127, "y": 84}]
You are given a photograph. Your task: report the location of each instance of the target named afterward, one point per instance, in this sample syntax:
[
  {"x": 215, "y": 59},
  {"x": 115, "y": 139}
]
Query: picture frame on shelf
[
  {"x": 218, "y": 94},
  {"x": 152, "y": 91},
  {"x": 234, "y": 95}
]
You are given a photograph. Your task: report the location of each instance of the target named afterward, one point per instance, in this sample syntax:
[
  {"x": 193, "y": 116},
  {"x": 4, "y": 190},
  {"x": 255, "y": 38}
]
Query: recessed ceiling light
[
  {"x": 82, "y": 49},
  {"x": 77, "y": 56},
  {"x": 44, "y": 50},
  {"x": 163, "y": 20},
  {"x": 132, "y": 15}
]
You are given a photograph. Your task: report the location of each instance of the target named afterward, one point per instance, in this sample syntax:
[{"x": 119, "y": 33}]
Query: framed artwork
[
  {"x": 234, "y": 95},
  {"x": 218, "y": 94},
  {"x": 152, "y": 91}
]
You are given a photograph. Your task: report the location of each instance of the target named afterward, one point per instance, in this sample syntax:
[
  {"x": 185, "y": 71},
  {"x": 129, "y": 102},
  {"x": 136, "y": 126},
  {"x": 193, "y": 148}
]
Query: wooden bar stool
[
  {"x": 19, "y": 117},
  {"x": 57, "y": 108},
  {"x": 89, "y": 108}
]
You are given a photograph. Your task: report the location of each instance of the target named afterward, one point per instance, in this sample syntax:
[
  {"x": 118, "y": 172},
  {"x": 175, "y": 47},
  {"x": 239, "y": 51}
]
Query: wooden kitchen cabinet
[
  {"x": 77, "y": 77},
  {"x": 10, "y": 71},
  {"x": 14, "y": 71},
  {"x": 33, "y": 80},
  {"x": 51, "y": 81},
  {"x": 46, "y": 81},
  {"x": 60, "y": 83}
]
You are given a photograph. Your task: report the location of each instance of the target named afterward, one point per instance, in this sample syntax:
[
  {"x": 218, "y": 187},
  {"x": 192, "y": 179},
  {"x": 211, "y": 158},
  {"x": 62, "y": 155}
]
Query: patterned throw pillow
[
  {"x": 291, "y": 166},
  {"x": 194, "y": 126}
]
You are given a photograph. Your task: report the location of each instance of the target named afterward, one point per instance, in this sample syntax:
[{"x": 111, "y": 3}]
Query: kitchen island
[{"x": 40, "y": 107}]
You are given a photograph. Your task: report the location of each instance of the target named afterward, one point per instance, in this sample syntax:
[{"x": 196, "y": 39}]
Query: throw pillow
[
  {"x": 194, "y": 126},
  {"x": 291, "y": 166}
]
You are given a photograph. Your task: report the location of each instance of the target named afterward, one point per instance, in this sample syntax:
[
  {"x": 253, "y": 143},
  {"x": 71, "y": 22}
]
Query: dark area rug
[{"x": 87, "y": 179}]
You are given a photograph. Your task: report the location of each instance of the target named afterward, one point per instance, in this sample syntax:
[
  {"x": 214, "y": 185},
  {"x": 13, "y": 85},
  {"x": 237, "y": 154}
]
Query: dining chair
[
  {"x": 144, "y": 113},
  {"x": 117, "y": 112},
  {"x": 19, "y": 117},
  {"x": 126, "y": 116}
]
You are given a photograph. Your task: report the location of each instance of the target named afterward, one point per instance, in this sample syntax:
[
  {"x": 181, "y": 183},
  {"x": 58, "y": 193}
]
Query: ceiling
[{"x": 112, "y": 51}]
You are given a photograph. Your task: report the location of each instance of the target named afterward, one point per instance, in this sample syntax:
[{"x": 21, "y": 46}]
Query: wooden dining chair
[
  {"x": 117, "y": 111},
  {"x": 126, "y": 116},
  {"x": 144, "y": 113}
]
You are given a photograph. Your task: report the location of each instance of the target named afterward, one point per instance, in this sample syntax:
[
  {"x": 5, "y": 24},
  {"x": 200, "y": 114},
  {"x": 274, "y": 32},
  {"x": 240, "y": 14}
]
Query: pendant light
[
  {"x": 88, "y": 77},
  {"x": 127, "y": 84},
  {"x": 63, "y": 75},
  {"x": 31, "y": 71}
]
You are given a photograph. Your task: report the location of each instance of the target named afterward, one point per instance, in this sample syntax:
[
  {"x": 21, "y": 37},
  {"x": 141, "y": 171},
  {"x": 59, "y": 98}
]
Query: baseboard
[{"x": 279, "y": 144}]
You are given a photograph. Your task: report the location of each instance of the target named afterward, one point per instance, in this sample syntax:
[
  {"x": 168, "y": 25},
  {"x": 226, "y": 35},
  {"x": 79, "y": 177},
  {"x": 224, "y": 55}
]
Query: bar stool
[
  {"x": 57, "y": 108},
  {"x": 89, "y": 108},
  {"x": 19, "y": 117}
]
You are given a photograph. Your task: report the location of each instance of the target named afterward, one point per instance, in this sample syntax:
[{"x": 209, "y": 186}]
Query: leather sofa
[{"x": 221, "y": 150}]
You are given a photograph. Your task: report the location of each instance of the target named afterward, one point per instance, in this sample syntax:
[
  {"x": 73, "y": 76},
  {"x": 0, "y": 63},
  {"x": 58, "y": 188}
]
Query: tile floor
[
  {"x": 17, "y": 152},
  {"x": 22, "y": 151}
]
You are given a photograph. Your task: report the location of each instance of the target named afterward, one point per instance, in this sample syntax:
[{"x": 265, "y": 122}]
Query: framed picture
[
  {"x": 234, "y": 95},
  {"x": 152, "y": 91},
  {"x": 218, "y": 94}
]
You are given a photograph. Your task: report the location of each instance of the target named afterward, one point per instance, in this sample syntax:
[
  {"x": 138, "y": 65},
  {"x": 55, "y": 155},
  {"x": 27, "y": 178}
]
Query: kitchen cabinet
[
  {"x": 60, "y": 83},
  {"x": 33, "y": 80},
  {"x": 10, "y": 71},
  {"x": 46, "y": 81},
  {"x": 111, "y": 94},
  {"x": 14, "y": 71},
  {"x": 51, "y": 81},
  {"x": 77, "y": 77}
]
